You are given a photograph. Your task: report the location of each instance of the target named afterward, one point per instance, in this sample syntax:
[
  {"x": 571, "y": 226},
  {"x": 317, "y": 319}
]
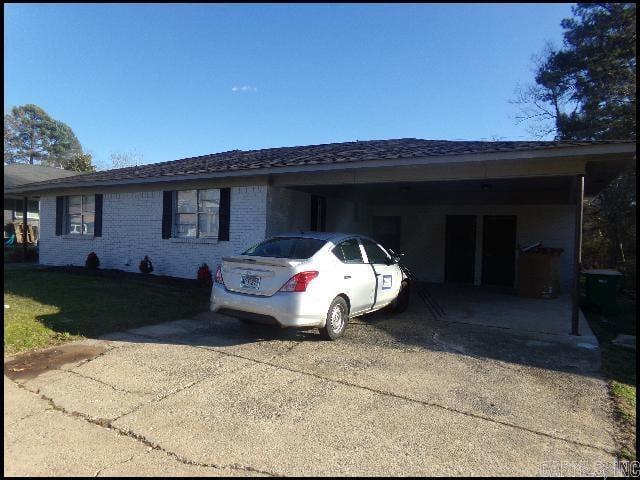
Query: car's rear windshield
[{"x": 287, "y": 247}]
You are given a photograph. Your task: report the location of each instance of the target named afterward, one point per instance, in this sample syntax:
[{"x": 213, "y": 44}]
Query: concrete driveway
[{"x": 398, "y": 395}]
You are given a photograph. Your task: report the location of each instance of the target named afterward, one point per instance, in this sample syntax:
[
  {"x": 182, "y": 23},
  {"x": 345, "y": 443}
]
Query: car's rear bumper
[{"x": 289, "y": 309}]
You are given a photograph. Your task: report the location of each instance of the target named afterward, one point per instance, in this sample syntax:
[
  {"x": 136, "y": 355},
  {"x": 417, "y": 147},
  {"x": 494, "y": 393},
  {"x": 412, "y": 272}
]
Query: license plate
[{"x": 250, "y": 281}]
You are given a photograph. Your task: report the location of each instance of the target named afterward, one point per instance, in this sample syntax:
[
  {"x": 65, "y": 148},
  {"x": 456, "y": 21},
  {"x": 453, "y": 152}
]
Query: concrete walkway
[{"x": 398, "y": 395}]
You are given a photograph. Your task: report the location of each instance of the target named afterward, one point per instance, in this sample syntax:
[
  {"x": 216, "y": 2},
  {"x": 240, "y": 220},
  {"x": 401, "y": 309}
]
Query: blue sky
[{"x": 171, "y": 81}]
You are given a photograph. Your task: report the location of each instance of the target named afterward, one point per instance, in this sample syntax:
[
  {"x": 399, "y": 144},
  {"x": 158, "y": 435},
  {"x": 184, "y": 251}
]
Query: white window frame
[
  {"x": 82, "y": 214},
  {"x": 197, "y": 213}
]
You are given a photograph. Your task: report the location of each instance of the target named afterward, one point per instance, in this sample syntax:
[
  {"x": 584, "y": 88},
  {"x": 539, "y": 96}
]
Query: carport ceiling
[{"x": 488, "y": 191}]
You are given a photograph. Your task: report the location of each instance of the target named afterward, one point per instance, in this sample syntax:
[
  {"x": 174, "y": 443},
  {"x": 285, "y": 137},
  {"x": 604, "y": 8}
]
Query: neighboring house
[
  {"x": 456, "y": 209},
  {"x": 16, "y": 175}
]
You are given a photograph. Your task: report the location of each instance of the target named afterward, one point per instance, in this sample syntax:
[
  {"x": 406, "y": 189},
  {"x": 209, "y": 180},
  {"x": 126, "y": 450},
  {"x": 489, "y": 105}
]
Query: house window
[
  {"x": 197, "y": 213},
  {"x": 80, "y": 214}
]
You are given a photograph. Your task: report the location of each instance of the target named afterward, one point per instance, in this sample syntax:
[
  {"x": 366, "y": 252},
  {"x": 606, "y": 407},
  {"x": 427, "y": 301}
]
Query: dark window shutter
[
  {"x": 97, "y": 226},
  {"x": 224, "y": 216},
  {"x": 59, "y": 214},
  {"x": 167, "y": 213}
]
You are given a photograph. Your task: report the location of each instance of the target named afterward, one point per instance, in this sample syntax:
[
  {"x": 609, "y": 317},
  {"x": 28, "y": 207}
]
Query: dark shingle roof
[
  {"x": 331, "y": 153},
  {"x": 20, "y": 174}
]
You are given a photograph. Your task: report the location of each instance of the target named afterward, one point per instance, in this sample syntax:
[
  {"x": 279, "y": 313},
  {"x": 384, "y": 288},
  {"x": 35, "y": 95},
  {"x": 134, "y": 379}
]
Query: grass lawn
[
  {"x": 48, "y": 308},
  {"x": 619, "y": 365}
]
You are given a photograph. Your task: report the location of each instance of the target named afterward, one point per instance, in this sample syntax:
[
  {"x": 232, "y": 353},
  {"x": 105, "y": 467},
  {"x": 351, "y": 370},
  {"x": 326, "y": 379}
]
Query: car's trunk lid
[{"x": 255, "y": 275}]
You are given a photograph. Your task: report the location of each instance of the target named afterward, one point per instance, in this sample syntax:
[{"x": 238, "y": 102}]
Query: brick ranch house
[{"x": 456, "y": 209}]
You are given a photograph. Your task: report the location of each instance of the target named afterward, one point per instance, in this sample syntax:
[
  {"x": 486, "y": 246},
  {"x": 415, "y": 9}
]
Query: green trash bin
[{"x": 602, "y": 289}]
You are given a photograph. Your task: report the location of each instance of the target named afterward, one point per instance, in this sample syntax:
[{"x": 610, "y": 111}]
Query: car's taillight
[
  {"x": 299, "y": 282},
  {"x": 218, "y": 278}
]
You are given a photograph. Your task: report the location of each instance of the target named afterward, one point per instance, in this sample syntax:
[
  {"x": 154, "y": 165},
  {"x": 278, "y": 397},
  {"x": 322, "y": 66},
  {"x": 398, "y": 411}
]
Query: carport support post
[
  {"x": 24, "y": 228},
  {"x": 577, "y": 256}
]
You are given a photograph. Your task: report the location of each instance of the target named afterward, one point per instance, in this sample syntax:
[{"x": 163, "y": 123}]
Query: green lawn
[
  {"x": 47, "y": 308},
  {"x": 619, "y": 365}
]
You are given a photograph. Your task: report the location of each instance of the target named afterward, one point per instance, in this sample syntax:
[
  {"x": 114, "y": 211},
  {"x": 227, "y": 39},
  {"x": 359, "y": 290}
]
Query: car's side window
[
  {"x": 375, "y": 254},
  {"x": 348, "y": 251}
]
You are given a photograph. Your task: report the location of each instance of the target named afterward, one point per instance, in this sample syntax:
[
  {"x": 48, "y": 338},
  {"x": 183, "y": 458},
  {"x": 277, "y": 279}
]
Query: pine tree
[{"x": 32, "y": 136}]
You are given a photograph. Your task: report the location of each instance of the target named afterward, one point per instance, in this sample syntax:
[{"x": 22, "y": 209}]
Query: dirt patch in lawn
[{"x": 30, "y": 365}]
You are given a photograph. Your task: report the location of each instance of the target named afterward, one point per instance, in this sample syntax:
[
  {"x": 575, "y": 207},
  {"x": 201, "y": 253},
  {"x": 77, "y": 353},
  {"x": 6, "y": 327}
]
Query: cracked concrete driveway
[{"x": 398, "y": 395}]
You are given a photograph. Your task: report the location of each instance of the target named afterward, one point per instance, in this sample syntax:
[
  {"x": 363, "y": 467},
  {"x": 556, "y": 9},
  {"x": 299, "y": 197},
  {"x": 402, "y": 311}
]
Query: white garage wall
[
  {"x": 423, "y": 234},
  {"x": 290, "y": 211},
  {"x": 132, "y": 228},
  {"x": 348, "y": 217},
  {"x": 287, "y": 211}
]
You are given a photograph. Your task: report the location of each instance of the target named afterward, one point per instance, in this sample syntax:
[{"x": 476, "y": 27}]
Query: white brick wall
[{"x": 132, "y": 228}]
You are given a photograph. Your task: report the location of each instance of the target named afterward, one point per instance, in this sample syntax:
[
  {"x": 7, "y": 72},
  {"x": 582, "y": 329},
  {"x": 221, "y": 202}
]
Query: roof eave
[{"x": 589, "y": 152}]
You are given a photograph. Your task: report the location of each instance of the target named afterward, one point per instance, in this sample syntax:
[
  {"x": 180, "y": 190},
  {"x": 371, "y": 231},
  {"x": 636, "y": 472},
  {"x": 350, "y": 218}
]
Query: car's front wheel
[
  {"x": 337, "y": 319},
  {"x": 401, "y": 302}
]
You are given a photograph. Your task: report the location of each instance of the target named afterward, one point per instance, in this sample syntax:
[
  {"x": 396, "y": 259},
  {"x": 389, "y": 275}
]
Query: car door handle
[{"x": 347, "y": 277}]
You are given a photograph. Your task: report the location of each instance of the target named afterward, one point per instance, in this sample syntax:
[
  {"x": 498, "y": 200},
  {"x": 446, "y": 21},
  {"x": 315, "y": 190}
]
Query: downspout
[{"x": 577, "y": 256}]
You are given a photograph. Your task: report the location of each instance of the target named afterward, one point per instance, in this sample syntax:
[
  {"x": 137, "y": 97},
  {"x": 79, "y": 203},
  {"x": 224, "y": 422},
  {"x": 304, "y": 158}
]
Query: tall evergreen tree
[
  {"x": 32, "y": 136},
  {"x": 586, "y": 90}
]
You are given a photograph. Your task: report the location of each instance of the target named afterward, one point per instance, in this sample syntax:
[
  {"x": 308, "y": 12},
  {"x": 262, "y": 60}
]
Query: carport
[{"x": 461, "y": 222}]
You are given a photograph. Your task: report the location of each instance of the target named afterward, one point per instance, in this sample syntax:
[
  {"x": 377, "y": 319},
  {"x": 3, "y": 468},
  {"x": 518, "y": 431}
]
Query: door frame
[{"x": 381, "y": 272}]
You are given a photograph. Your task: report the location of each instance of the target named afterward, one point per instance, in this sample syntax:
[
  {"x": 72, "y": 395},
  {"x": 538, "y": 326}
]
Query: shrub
[
  {"x": 204, "y": 275},
  {"x": 145, "y": 265},
  {"x": 92, "y": 262}
]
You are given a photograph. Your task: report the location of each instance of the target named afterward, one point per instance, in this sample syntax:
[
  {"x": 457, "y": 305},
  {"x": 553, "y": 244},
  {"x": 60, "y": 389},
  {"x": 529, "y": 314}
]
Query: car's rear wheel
[
  {"x": 401, "y": 302},
  {"x": 337, "y": 319}
]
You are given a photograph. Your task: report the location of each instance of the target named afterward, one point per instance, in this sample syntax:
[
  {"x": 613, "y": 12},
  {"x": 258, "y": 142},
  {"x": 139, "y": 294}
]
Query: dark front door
[
  {"x": 460, "y": 248},
  {"x": 499, "y": 250}
]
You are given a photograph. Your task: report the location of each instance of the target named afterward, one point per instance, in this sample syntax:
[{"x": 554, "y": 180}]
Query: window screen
[
  {"x": 197, "y": 213},
  {"x": 80, "y": 214}
]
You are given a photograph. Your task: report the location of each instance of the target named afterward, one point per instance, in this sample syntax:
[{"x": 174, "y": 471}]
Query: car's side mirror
[{"x": 395, "y": 258}]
